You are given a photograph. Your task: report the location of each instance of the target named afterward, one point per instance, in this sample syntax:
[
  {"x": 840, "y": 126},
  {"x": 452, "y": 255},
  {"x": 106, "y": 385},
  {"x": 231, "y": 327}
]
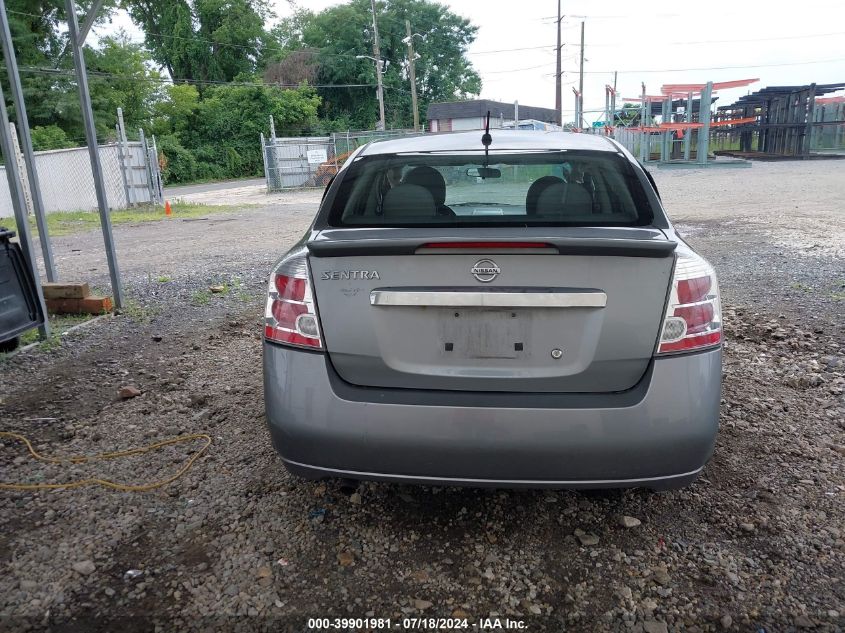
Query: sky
[{"x": 775, "y": 42}]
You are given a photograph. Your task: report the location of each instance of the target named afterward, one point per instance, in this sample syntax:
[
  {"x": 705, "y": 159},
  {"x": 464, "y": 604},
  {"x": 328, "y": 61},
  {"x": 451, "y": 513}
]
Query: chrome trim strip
[
  {"x": 456, "y": 299},
  {"x": 530, "y": 482}
]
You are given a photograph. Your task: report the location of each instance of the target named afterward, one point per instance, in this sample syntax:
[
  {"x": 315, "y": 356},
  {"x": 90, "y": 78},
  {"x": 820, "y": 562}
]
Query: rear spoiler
[{"x": 606, "y": 247}]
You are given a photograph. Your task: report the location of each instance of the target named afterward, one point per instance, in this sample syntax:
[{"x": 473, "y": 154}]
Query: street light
[{"x": 379, "y": 90}]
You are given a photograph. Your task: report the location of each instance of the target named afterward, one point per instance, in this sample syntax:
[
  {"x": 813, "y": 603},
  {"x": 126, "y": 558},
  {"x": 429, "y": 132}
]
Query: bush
[
  {"x": 49, "y": 137},
  {"x": 177, "y": 164}
]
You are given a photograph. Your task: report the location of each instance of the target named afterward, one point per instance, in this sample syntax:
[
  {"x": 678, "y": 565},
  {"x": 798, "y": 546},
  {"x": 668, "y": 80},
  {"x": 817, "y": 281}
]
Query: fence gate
[
  {"x": 299, "y": 162},
  {"x": 311, "y": 161}
]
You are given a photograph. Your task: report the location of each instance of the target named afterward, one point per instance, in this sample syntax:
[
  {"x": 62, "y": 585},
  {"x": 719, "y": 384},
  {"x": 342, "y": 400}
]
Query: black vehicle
[{"x": 20, "y": 309}]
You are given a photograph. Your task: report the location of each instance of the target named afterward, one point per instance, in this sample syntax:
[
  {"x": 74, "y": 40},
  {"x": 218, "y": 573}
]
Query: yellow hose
[{"x": 81, "y": 459}]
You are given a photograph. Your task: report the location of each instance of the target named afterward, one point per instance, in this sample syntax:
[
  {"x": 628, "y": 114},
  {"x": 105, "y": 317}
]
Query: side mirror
[{"x": 484, "y": 172}]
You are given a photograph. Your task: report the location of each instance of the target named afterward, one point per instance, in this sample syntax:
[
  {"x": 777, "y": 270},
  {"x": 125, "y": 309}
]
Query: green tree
[
  {"x": 49, "y": 137},
  {"x": 38, "y": 41},
  {"x": 204, "y": 40},
  {"x": 175, "y": 112},
  {"x": 46, "y": 66},
  {"x": 121, "y": 76},
  {"x": 628, "y": 115},
  {"x": 443, "y": 70},
  {"x": 218, "y": 136}
]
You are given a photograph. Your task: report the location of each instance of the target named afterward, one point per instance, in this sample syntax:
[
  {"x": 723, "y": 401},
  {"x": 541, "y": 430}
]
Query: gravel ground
[{"x": 757, "y": 543}]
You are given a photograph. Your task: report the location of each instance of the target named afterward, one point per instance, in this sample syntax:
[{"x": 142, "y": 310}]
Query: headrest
[
  {"x": 408, "y": 201},
  {"x": 431, "y": 179},
  {"x": 537, "y": 187},
  {"x": 565, "y": 199},
  {"x": 550, "y": 201}
]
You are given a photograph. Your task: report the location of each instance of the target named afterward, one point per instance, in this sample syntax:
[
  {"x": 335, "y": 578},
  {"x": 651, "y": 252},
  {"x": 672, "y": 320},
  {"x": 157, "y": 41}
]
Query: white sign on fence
[{"x": 317, "y": 156}]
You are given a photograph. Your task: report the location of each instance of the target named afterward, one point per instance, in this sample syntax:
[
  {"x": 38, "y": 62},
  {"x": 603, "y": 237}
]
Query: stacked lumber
[{"x": 74, "y": 298}]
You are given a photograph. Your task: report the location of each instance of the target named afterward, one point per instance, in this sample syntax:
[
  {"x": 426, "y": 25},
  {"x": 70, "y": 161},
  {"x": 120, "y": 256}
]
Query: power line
[
  {"x": 649, "y": 16},
  {"x": 165, "y": 80},
  {"x": 673, "y": 70},
  {"x": 517, "y": 70},
  {"x": 510, "y": 50},
  {"x": 739, "y": 41}
]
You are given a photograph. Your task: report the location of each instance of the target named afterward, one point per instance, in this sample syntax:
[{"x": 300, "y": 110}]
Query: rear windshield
[{"x": 528, "y": 189}]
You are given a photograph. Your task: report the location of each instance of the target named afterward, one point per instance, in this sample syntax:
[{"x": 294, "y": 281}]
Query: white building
[{"x": 470, "y": 115}]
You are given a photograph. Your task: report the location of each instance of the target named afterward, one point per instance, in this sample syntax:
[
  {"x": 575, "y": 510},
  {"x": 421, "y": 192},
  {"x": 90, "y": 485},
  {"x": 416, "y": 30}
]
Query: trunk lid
[{"x": 573, "y": 309}]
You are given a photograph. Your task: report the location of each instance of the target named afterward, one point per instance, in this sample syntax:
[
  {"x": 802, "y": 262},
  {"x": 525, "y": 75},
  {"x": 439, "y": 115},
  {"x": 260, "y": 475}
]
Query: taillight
[
  {"x": 291, "y": 317},
  {"x": 694, "y": 316}
]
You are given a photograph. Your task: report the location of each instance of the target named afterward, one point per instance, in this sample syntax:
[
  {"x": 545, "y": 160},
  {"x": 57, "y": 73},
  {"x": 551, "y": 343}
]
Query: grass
[
  {"x": 137, "y": 312},
  {"x": 234, "y": 286},
  {"x": 59, "y": 324},
  {"x": 200, "y": 297},
  {"x": 69, "y": 222}
]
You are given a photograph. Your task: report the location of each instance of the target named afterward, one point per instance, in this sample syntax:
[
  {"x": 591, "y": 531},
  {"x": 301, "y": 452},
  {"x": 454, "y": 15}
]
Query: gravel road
[{"x": 757, "y": 543}]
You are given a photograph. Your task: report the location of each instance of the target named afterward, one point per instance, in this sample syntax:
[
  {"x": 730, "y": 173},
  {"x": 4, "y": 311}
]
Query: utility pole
[
  {"x": 377, "y": 55},
  {"x": 581, "y": 81},
  {"x": 613, "y": 102},
  {"x": 558, "y": 79},
  {"x": 412, "y": 71}
]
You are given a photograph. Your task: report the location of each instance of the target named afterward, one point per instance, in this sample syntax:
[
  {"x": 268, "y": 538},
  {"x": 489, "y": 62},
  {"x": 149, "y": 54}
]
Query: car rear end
[{"x": 497, "y": 335}]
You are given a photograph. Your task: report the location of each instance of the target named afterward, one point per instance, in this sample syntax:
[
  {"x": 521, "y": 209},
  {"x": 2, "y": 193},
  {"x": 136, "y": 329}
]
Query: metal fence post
[
  {"x": 26, "y": 144},
  {"x": 644, "y": 152},
  {"x": 18, "y": 162},
  {"x": 704, "y": 119},
  {"x": 145, "y": 152},
  {"x": 121, "y": 157},
  {"x": 264, "y": 160},
  {"x": 125, "y": 159},
  {"x": 19, "y": 206},
  {"x": 155, "y": 172},
  {"x": 334, "y": 146},
  {"x": 93, "y": 149},
  {"x": 688, "y": 132}
]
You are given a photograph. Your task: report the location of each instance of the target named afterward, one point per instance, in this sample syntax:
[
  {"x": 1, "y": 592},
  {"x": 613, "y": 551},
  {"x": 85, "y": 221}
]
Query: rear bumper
[{"x": 658, "y": 434}]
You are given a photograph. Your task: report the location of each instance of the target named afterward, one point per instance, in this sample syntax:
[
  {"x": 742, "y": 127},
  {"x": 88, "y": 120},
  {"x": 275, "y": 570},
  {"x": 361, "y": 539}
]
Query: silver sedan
[{"x": 521, "y": 314}]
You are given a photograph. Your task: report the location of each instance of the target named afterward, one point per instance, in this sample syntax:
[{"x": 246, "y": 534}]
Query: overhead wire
[
  {"x": 730, "y": 41},
  {"x": 738, "y": 67},
  {"x": 166, "y": 80}
]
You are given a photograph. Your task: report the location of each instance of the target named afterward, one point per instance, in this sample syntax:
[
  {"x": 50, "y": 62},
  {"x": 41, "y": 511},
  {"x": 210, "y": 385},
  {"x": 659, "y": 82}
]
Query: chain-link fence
[
  {"x": 130, "y": 172},
  {"x": 312, "y": 161},
  {"x": 299, "y": 162}
]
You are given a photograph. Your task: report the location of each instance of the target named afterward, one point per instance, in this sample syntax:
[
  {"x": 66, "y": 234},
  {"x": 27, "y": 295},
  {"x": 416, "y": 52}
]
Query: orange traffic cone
[{"x": 167, "y": 210}]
